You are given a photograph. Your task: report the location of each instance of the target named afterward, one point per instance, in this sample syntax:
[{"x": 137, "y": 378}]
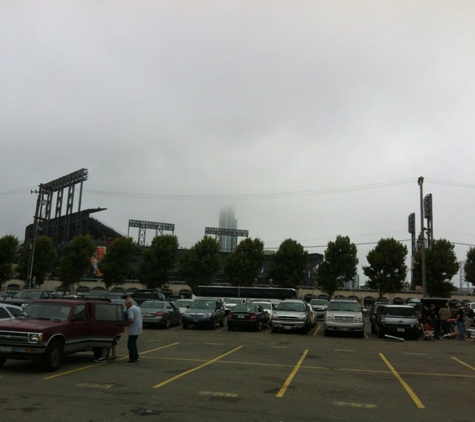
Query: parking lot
[{"x": 214, "y": 375}]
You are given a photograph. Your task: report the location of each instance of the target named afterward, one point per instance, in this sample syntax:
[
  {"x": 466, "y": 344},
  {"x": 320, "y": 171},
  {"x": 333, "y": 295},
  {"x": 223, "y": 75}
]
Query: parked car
[
  {"x": 247, "y": 315},
  {"x": 8, "y": 312},
  {"x": 397, "y": 320},
  {"x": 230, "y": 303},
  {"x": 266, "y": 305},
  {"x": 372, "y": 315},
  {"x": 142, "y": 295},
  {"x": 313, "y": 315},
  {"x": 204, "y": 312},
  {"x": 291, "y": 315},
  {"x": 319, "y": 306},
  {"x": 159, "y": 312},
  {"x": 25, "y": 296},
  {"x": 343, "y": 316},
  {"x": 47, "y": 330},
  {"x": 182, "y": 304}
]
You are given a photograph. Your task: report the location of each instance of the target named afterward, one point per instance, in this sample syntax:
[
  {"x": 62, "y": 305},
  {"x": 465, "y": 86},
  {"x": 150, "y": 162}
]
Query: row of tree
[{"x": 386, "y": 270}]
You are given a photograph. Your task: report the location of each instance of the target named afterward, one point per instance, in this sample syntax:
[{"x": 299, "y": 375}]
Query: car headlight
[
  {"x": 35, "y": 337},
  {"x": 328, "y": 317},
  {"x": 208, "y": 314},
  {"x": 302, "y": 317},
  {"x": 359, "y": 318},
  {"x": 275, "y": 315}
]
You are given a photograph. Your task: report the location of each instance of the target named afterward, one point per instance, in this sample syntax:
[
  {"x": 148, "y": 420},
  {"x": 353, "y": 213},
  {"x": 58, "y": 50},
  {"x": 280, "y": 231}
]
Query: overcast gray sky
[{"x": 311, "y": 118}]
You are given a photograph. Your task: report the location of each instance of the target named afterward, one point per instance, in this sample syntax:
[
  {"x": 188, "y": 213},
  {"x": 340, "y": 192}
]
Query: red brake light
[
  {"x": 230, "y": 315},
  {"x": 159, "y": 313},
  {"x": 253, "y": 316}
]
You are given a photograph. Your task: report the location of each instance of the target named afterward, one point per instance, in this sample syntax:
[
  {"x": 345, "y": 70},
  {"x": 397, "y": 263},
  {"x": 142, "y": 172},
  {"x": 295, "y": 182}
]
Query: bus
[{"x": 270, "y": 293}]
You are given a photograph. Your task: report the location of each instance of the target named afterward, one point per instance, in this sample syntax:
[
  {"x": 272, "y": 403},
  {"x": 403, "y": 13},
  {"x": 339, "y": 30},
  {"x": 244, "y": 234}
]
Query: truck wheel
[
  {"x": 53, "y": 356},
  {"x": 259, "y": 326},
  {"x": 2, "y": 361}
]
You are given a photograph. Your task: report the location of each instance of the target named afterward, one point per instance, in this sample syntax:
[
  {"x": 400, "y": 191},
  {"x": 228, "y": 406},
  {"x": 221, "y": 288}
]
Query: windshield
[
  {"x": 399, "y": 311},
  {"x": 344, "y": 306},
  {"x": 152, "y": 304},
  {"x": 265, "y": 305},
  {"x": 203, "y": 304},
  {"x": 53, "y": 311},
  {"x": 182, "y": 303},
  {"x": 27, "y": 294},
  {"x": 322, "y": 302},
  {"x": 291, "y": 306},
  {"x": 245, "y": 308}
]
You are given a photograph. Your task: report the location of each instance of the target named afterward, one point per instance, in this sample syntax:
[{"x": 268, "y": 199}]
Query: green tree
[
  {"x": 441, "y": 266},
  {"x": 201, "y": 262},
  {"x": 8, "y": 247},
  {"x": 157, "y": 260},
  {"x": 338, "y": 266},
  {"x": 115, "y": 265},
  {"x": 43, "y": 259},
  {"x": 469, "y": 266},
  {"x": 387, "y": 269},
  {"x": 287, "y": 266},
  {"x": 243, "y": 265},
  {"x": 77, "y": 259}
]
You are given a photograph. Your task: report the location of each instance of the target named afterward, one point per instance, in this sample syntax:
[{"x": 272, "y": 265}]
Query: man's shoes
[
  {"x": 99, "y": 360},
  {"x": 111, "y": 358}
]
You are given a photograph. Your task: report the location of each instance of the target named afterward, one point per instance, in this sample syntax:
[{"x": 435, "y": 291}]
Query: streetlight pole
[
  {"x": 420, "y": 182},
  {"x": 35, "y": 234}
]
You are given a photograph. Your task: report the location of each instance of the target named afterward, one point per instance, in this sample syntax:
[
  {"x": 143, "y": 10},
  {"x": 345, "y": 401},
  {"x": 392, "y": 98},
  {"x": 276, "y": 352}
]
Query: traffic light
[{"x": 412, "y": 223}]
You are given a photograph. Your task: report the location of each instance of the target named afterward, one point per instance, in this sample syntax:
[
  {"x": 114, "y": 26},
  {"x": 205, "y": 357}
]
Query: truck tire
[
  {"x": 53, "y": 356},
  {"x": 259, "y": 326},
  {"x": 97, "y": 351}
]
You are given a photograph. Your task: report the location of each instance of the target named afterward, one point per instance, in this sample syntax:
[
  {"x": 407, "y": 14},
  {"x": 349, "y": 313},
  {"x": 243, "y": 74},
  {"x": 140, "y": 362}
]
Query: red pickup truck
[{"x": 48, "y": 329}]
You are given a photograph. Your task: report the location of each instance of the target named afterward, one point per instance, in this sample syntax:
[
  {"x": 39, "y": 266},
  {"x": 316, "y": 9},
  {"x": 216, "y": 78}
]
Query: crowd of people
[{"x": 446, "y": 322}]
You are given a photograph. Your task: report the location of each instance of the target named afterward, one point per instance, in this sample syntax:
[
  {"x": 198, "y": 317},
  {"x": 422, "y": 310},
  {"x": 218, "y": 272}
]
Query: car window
[
  {"x": 4, "y": 313},
  {"x": 344, "y": 306}
]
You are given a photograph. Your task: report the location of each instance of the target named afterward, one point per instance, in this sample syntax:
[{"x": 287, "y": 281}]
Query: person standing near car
[
  {"x": 134, "y": 321},
  {"x": 460, "y": 322}
]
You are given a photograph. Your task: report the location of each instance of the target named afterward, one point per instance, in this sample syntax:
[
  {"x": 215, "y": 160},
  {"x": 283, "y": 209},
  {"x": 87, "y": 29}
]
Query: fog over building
[{"x": 227, "y": 220}]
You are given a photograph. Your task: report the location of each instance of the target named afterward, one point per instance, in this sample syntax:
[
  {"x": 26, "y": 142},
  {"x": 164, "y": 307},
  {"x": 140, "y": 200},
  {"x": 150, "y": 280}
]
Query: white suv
[{"x": 343, "y": 315}]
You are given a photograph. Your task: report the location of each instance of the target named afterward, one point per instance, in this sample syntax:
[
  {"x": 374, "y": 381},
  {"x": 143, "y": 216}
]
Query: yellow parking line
[
  {"x": 317, "y": 330},
  {"x": 403, "y": 383},
  {"x": 292, "y": 375},
  {"x": 463, "y": 363},
  {"x": 196, "y": 368},
  {"x": 96, "y": 364}
]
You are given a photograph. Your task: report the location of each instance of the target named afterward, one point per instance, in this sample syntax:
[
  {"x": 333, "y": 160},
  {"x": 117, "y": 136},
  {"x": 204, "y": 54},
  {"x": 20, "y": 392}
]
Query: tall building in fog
[{"x": 227, "y": 220}]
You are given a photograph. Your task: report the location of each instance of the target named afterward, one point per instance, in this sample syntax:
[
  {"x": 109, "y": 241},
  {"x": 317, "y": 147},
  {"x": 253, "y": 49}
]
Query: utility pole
[{"x": 420, "y": 182}]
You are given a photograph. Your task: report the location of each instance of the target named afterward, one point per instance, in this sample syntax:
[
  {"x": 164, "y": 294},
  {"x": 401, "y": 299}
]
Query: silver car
[
  {"x": 344, "y": 316},
  {"x": 292, "y": 315}
]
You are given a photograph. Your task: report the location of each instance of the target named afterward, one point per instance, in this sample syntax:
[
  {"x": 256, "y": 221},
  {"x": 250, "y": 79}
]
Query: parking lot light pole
[{"x": 420, "y": 182}]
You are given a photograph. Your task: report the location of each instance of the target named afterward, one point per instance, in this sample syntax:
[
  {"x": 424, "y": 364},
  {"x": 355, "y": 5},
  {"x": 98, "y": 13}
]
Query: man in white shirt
[{"x": 134, "y": 321}]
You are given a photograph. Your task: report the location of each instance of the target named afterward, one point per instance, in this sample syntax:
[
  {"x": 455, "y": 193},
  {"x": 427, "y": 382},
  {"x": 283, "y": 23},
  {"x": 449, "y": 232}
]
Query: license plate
[
  {"x": 400, "y": 330},
  {"x": 195, "y": 320},
  {"x": 6, "y": 349},
  {"x": 287, "y": 328},
  {"x": 241, "y": 316}
]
